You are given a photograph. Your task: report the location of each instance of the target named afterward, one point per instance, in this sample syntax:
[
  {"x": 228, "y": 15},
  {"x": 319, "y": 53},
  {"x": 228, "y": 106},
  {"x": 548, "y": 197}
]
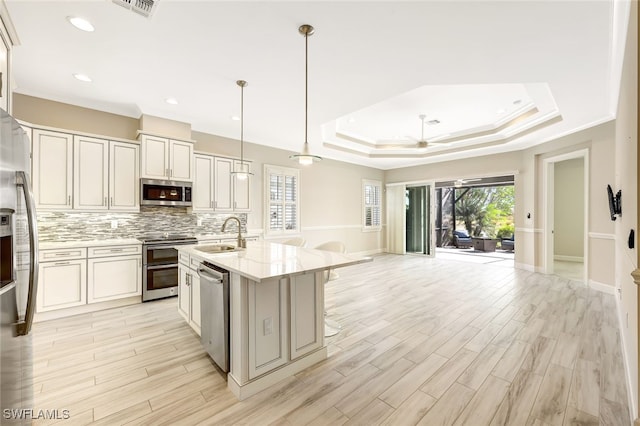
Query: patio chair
[
  {"x": 461, "y": 239},
  {"x": 508, "y": 244}
]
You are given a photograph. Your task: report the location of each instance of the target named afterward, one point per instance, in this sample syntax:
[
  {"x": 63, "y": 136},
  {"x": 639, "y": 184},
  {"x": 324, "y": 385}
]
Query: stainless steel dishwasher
[{"x": 214, "y": 305}]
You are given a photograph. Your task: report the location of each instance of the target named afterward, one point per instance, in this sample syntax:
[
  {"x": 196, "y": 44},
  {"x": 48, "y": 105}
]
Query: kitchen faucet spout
[{"x": 242, "y": 243}]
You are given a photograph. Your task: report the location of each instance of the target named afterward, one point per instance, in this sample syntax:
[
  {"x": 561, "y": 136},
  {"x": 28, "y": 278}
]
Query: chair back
[{"x": 298, "y": 242}]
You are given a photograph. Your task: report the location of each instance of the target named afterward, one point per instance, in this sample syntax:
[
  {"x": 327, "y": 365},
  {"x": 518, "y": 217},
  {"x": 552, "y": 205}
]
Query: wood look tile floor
[{"x": 424, "y": 341}]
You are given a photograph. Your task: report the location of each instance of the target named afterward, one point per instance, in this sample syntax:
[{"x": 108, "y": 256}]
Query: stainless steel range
[{"x": 160, "y": 264}]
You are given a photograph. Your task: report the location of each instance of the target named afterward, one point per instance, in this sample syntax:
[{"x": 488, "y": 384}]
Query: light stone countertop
[
  {"x": 47, "y": 245},
  {"x": 263, "y": 260}
]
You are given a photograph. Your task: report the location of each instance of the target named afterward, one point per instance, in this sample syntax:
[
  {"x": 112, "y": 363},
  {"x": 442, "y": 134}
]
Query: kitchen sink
[{"x": 217, "y": 248}]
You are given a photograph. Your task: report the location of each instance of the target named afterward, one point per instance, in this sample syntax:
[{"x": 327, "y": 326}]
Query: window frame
[
  {"x": 270, "y": 170},
  {"x": 373, "y": 227}
]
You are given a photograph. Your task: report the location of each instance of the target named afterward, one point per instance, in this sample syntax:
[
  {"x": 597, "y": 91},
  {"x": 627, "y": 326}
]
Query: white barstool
[
  {"x": 331, "y": 327},
  {"x": 298, "y": 242}
]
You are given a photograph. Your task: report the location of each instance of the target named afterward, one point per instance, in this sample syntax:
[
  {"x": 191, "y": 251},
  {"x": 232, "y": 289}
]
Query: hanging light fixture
[
  {"x": 305, "y": 157},
  {"x": 243, "y": 172}
]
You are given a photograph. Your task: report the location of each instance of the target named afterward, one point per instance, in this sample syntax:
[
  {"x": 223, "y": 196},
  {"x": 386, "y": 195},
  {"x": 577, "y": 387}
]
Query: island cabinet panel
[
  {"x": 306, "y": 295},
  {"x": 268, "y": 326}
]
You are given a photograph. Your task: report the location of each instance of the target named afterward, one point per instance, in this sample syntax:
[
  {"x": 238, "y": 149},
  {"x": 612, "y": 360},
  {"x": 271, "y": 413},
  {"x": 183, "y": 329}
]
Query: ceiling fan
[
  {"x": 421, "y": 143},
  {"x": 460, "y": 182}
]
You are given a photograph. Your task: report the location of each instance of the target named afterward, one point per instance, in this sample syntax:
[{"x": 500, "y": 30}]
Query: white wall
[
  {"x": 626, "y": 179},
  {"x": 568, "y": 226}
]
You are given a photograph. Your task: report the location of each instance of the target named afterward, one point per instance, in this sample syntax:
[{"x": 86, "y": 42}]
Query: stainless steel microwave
[{"x": 154, "y": 192}]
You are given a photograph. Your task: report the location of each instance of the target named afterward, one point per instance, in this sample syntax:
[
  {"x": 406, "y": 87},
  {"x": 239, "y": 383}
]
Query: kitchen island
[{"x": 276, "y": 308}]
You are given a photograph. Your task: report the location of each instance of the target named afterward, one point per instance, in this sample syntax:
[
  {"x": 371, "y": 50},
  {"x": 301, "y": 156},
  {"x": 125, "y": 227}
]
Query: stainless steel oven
[{"x": 160, "y": 264}]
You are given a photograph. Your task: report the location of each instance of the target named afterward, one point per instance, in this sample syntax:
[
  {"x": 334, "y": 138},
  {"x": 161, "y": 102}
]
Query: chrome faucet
[{"x": 242, "y": 243}]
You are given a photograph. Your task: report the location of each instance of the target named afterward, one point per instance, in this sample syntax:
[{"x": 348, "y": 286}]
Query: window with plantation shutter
[
  {"x": 281, "y": 192},
  {"x": 372, "y": 205}
]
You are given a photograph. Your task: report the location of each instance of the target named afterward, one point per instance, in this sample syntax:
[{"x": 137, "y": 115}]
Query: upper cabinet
[
  {"x": 8, "y": 38},
  {"x": 166, "y": 159},
  {"x": 84, "y": 173},
  {"x": 216, "y": 189},
  {"x": 52, "y": 169}
]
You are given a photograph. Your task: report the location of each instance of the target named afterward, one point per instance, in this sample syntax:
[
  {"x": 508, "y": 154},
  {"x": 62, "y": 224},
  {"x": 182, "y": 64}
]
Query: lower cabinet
[
  {"x": 189, "y": 295},
  {"x": 114, "y": 277},
  {"x": 79, "y": 276},
  {"x": 61, "y": 284}
]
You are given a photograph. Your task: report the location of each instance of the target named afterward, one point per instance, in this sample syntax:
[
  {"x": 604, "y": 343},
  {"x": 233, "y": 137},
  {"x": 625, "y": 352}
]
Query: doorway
[
  {"x": 418, "y": 224},
  {"x": 566, "y": 215}
]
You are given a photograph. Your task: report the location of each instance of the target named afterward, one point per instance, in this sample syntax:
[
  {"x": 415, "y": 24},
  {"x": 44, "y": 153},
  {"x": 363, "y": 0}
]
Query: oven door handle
[
  {"x": 161, "y": 246},
  {"x": 167, "y": 266}
]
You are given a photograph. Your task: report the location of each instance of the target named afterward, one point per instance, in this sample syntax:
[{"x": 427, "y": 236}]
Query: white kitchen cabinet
[
  {"x": 167, "y": 159},
  {"x": 203, "y": 183},
  {"x": 124, "y": 181},
  {"x": 114, "y": 272},
  {"x": 62, "y": 279},
  {"x": 52, "y": 169},
  {"x": 90, "y": 173},
  {"x": 180, "y": 160},
  {"x": 223, "y": 192},
  {"x": 307, "y": 318},
  {"x": 189, "y": 296},
  {"x": 216, "y": 188},
  {"x": 268, "y": 326}
]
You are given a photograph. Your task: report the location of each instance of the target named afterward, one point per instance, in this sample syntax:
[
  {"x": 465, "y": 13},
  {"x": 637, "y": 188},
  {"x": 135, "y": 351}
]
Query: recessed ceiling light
[
  {"x": 80, "y": 23},
  {"x": 235, "y": 118},
  {"x": 433, "y": 122},
  {"x": 172, "y": 101},
  {"x": 83, "y": 77},
  {"x": 517, "y": 101}
]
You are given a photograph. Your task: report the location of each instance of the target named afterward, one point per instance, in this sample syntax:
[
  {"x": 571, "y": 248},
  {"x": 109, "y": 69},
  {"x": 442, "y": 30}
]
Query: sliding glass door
[{"x": 419, "y": 218}]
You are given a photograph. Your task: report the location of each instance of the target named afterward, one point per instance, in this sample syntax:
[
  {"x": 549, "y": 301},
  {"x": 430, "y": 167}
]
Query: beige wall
[
  {"x": 64, "y": 116},
  {"x": 568, "y": 223},
  {"x": 330, "y": 193},
  {"x": 626, "y": 161}
]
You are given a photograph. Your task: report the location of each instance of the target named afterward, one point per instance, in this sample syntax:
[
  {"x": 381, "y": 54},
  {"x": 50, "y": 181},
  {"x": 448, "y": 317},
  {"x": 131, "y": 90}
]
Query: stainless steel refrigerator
[{"x": 18, "y": 272}]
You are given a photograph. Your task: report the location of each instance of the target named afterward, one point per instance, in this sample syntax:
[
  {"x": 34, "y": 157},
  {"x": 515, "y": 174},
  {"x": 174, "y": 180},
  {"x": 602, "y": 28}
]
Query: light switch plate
[{"x": 267, "y": 326}]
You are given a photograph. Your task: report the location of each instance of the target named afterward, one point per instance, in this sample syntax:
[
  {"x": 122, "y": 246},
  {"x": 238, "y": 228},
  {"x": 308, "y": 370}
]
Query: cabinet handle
[
  {"x": 63, "y": 254},
  {"x": 61, "y": 263},
  {"x": 116, "y": 250},
  {"x": 139, "y": 263},
  {"x": 69, "y": 202},
  {"x": 166, "y": 172},
  {"x": 187, "y": 276},
  {"x": 105, "y": 201},
  {"x": 111, "y": 201}
]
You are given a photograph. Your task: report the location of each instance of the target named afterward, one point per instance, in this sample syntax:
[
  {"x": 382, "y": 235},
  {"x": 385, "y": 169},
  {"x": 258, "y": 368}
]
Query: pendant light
[
  {"x": 243, "y": 172},
  {"x": 305, "y": 157}
]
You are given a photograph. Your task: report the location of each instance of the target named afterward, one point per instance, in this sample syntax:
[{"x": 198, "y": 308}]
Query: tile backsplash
[{"x": 74, "y": 226}]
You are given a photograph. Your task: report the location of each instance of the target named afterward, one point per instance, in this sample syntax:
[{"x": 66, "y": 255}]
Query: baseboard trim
[
  {"x": 369, "y": 252},
  {"x": 604, "y": 288},
  {"x": 632, "y": 406},
  {"x": 91, "y": 307},
  {"x": 525, "y": 266},
  {"x": 577, "y": 259}
]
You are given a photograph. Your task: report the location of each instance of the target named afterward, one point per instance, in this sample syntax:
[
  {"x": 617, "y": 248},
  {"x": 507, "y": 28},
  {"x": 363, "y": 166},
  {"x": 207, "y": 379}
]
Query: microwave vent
[{"x": 142, "y": 7}]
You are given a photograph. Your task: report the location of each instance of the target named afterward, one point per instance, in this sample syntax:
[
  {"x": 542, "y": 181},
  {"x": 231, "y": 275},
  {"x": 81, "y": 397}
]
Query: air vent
[
  {"x": 433, "y": 122},
  {"x": 142, "y": 7}
]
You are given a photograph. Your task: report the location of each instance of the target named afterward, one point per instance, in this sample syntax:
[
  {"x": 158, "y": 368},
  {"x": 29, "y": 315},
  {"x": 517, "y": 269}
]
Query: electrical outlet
[
  {"x": 199, "y": 222},
  {"x": 267, "y": 326},
  {"x": 114, "y": 224}
]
